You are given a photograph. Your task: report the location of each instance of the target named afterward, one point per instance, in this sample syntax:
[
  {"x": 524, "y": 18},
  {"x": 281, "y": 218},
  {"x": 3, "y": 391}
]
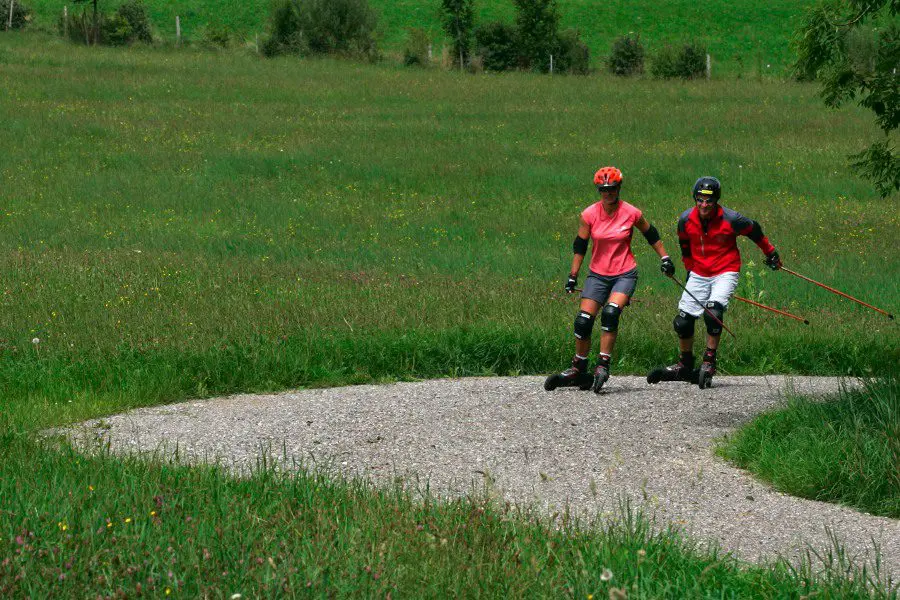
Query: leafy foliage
[
  {"x": 128, "y": 24},
  {"x": 573, "y": 54},
  {"x": 627, "y": 56},
  {"x": 345, "y": 27},
  {"x": 416, "y": 50},
  {"x": 687, "y": 62},
  {"x": 21, "y": 16},
  {"x": 496, "y": 43},
  {"x": 537, "y": 22},
  {"x": 828, "y": 51},
  {"x": 458, "y": 17}
]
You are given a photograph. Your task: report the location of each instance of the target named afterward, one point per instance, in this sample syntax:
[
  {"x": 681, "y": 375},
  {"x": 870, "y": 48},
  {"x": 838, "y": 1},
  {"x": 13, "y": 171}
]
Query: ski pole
[
  {"x": 838, "y": 292},
  {"x": 706, "y": 310},
  {"x": 774, "y": 310}
]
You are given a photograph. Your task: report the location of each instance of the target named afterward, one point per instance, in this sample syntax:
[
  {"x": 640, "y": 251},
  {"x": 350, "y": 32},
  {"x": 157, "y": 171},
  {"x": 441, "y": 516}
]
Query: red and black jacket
[{"x": 709, "y": 248}]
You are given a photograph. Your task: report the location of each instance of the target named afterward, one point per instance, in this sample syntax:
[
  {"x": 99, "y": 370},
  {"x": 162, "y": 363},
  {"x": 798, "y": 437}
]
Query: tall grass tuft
[{"x": 843, "y": 448}]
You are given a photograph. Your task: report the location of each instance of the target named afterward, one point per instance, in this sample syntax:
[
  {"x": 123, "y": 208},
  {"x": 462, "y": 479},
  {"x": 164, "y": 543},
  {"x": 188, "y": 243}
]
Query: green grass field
[
  {"x": 742, "y": 36},
  {"x": 180, "y": 223}
]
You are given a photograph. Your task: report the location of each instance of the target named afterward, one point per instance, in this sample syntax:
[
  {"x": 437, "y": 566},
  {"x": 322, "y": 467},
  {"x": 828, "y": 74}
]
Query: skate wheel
[
  {"x": 599, "y": 380},
  {"x": 654, "y": 376},
  {"x": 551, "y": 383},
  {"x": 586, "y": 383},
  {"x": 704, "y": 379}
]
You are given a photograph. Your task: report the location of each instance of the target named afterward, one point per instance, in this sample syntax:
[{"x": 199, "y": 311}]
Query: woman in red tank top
[{"x": 609, "y": 224}]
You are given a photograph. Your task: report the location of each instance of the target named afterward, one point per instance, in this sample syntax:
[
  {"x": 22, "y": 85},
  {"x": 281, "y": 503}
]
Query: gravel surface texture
[{"x": 544, "y": 449}]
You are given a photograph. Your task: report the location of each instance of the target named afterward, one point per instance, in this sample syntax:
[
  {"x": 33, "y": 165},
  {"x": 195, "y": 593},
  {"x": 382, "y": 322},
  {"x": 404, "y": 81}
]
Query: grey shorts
[{"x": 598, "y": 287}]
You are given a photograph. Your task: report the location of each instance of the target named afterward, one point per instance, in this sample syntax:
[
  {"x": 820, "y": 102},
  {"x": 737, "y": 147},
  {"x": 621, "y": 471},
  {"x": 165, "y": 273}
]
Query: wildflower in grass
[
  {"x": 62, "y": 525},
  {"x": 606, "y": 575},
  {"x": 128, "y": 519},
  {"x": 35, "y": 341},
  {"x": 168, "y": 591}
]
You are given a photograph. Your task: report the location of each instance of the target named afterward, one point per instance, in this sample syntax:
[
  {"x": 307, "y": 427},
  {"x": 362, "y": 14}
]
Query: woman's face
[{"x": 609, "y": 197}]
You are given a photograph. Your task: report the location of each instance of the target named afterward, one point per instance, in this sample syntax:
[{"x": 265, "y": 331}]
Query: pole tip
[{"x": 806, "y": 321}]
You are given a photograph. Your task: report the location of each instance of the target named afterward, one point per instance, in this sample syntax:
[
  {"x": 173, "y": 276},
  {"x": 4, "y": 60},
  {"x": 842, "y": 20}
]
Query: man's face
[{"x": 705, "y": 205}]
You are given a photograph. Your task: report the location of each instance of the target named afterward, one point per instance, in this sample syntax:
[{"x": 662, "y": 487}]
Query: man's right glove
[
  {"x": 773, "y": 261},
  {"x": 667, "y": 266},
  {"x": 571, "y": 283}
]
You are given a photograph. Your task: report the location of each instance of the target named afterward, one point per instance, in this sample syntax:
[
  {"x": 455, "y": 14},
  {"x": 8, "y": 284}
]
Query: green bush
[
  {"x": 415, "y": 52},
  {"x": 687, "y": 62},
  {"x": 496, "y": 44},
  {"x": 215, "y": 35},
  {"x": 537, "y": 22},
  {"x": 573, "y": 55},
  {"x": 130, "y": 23},
  {"x": 626, "y": 56},
  {"x": 20, "y": 18},
  {"x": 345, "y": 27},
  {"x": 135, "y": 14}
]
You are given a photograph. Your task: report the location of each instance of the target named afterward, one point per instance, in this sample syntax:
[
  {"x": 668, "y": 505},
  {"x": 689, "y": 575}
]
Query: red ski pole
[
  {"x": 706, "y": 310},
  {"x": 838, "y": 292},
  {"x": 774, "y": 310}
]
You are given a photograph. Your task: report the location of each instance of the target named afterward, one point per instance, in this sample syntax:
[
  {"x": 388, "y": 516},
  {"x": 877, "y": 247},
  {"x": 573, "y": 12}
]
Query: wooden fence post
[
  {"x": 177, "y": 30},
  {"x": 12, "y": 3}
]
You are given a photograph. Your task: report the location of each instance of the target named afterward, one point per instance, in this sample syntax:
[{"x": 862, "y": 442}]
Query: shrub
[
  {"x": 135, "y": 14},
  {"x": 573, "y": 55},
  {"x": 344, "y": 27},
  {"x": 537, "y": 22},
  {"x": 215, "y": 35},
  {"x": 496, "y": 44},
  {"x": 687, "y": 63},
  {"x": 626, "y": 56},
  {"x": 20, "y": 18},
  {"x": 416, "y": 50},
  {"x": 130, "y": 23}
]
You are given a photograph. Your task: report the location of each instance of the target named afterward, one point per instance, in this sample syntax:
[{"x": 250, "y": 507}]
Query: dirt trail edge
[{"x": 652, "y": 443}]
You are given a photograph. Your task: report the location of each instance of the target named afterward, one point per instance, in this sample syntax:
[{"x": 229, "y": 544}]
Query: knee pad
[
  {"x": 684, "y": 325},
  {"x": 716, "y": 308},
  {"x": 584, "y": 323},
  {"x": 609, "y": 317}
]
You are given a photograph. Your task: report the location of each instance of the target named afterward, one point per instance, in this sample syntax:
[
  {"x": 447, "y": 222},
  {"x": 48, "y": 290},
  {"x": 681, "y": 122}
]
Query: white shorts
[{"x": 718, "y": 288}]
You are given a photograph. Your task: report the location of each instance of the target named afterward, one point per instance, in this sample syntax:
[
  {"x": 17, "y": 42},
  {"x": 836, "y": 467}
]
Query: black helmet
[{"x": 707, "y": 187}]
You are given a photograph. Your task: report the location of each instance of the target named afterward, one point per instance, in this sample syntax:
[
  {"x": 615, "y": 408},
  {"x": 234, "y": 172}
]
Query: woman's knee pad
[
  {"x": 609, "y": 317},
  {"x": 584, "y": 323},
  {"x": 718, "y": 310},
  {"x": 684, "y": 325}
]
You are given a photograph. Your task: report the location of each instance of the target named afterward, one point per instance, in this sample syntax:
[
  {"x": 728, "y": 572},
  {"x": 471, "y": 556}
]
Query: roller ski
[
  {"x": 683, "y": 370},
  {"x": 707, "y": 370},
  {"x": 574, "y": 376}
]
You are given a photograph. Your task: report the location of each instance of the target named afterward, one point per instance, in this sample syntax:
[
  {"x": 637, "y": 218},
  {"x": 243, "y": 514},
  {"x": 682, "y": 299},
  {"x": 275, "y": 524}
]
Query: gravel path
[{"x": 652, "y": 443}]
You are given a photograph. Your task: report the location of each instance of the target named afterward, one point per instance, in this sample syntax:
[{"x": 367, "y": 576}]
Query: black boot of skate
[
  {"x": 601, "y": 373},
  {"x": 707, "y": 369},
  {"x": 681, "y": 371},
  {"x": 576, "y": 375}
]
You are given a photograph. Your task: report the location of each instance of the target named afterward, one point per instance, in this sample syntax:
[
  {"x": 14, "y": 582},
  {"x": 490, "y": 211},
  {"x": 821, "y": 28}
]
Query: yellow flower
[
  {"x": 152, "y": 513},
  {"x": 128, "y": 520},
  {"x": 168, "y": 591}
]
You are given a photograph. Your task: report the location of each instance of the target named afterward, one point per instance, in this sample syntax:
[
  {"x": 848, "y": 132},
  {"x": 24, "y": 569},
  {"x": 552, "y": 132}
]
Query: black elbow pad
[
  {"x": 579, "y": 246},
  {"x": 652, "y": 235}
]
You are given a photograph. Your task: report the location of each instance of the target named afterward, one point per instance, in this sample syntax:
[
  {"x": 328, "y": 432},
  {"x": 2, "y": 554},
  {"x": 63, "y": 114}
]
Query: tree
[
  {"x": 538, "y": 24},
  {"x": 823, "y": 45},
  {"x": 459, "y": 23}
]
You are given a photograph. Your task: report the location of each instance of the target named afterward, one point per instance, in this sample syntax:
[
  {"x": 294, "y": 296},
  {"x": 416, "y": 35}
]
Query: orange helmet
[{"x": 608, "y": 178}]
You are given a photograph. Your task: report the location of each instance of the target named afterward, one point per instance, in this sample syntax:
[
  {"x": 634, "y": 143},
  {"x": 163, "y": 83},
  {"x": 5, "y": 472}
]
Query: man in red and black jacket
[{"x": 707, "y": 234}]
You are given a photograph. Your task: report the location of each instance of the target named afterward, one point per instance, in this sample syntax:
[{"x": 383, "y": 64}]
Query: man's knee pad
[
  {"x": 584, "y": 323},
  {"x": 684, "y": 325},
  {"x": 609, "y": 317},
  {"x": 716, "y": 308}
]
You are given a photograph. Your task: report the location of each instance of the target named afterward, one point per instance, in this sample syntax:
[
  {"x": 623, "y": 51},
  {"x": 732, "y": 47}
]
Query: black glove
[
  {"x": 667, "y": 266},
  {"x": 571, "y": 283},
  {"x": 773, "y": 261}
]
